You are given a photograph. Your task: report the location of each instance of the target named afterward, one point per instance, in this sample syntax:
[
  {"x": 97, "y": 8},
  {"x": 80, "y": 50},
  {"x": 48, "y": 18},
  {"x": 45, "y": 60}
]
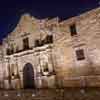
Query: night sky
[{"x": 11, "y": 10}]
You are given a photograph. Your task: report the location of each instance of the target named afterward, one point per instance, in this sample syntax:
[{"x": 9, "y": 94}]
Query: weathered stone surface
[{"x": 58, "y": 58}]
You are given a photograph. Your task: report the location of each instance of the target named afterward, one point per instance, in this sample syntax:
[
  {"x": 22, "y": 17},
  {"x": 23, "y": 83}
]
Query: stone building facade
[{"x": 52, "y": 53}]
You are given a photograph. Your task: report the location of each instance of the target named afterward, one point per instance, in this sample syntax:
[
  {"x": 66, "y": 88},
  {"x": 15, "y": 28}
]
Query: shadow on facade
[{"x": 28, "y": 76}]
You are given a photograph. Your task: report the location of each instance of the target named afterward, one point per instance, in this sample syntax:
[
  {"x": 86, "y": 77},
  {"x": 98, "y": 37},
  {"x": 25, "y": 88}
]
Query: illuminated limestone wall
[
  {"x": 71, "y": 60},
  {"x": 73, "y": 72},
  {"x": 39, "y": 57}
]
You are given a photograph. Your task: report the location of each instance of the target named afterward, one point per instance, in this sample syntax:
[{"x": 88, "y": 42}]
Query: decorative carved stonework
[{"x": 50, "y": 49}]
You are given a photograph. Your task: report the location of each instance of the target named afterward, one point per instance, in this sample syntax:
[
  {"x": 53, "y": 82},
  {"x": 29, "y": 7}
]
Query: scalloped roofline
[{"x": 85, "y": 14}]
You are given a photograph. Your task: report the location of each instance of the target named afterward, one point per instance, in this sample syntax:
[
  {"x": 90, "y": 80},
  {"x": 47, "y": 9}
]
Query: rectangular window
[
  {"x": 73, "y": 30},
  {"x": 37, "y": 43},
  {"x": 80, "y": 54},
  {"x": 49, "y": 39},
  {"x": 8, "y": 51},
  {"x": 12, "y": 48},
  {"x": 25, "y": 43}
]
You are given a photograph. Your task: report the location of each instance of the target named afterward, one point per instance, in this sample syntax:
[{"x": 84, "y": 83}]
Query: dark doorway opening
[{"x": 28, "y": 76}]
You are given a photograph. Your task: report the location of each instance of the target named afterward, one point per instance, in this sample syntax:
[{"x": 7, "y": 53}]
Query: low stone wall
[{"x": 52, "y": 94}]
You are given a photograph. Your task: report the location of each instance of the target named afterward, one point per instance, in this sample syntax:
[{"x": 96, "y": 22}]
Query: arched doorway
[{"x": 28, "y": 76}]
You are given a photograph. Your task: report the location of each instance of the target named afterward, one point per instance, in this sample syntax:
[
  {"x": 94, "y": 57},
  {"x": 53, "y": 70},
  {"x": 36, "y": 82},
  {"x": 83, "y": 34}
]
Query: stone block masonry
[{"x": 50, "y": 53}]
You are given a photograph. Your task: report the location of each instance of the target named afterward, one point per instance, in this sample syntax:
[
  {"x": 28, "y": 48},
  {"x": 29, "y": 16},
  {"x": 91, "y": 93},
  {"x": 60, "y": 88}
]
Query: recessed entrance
[{"x": 28, "y": 76}]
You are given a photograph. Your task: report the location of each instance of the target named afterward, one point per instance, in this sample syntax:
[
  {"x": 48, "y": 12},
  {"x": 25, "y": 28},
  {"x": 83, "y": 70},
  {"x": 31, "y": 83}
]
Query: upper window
[
  {"x": 49, "y": 39},
  {"x": 37, "y": 43},
  {"x": 25, "y": 43},
  {"x": 73, "y": 29},
  {"x": 12, "y": 48},
  {"x": 8, "y": 51},
  {"x": 80, "y": 54}
]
